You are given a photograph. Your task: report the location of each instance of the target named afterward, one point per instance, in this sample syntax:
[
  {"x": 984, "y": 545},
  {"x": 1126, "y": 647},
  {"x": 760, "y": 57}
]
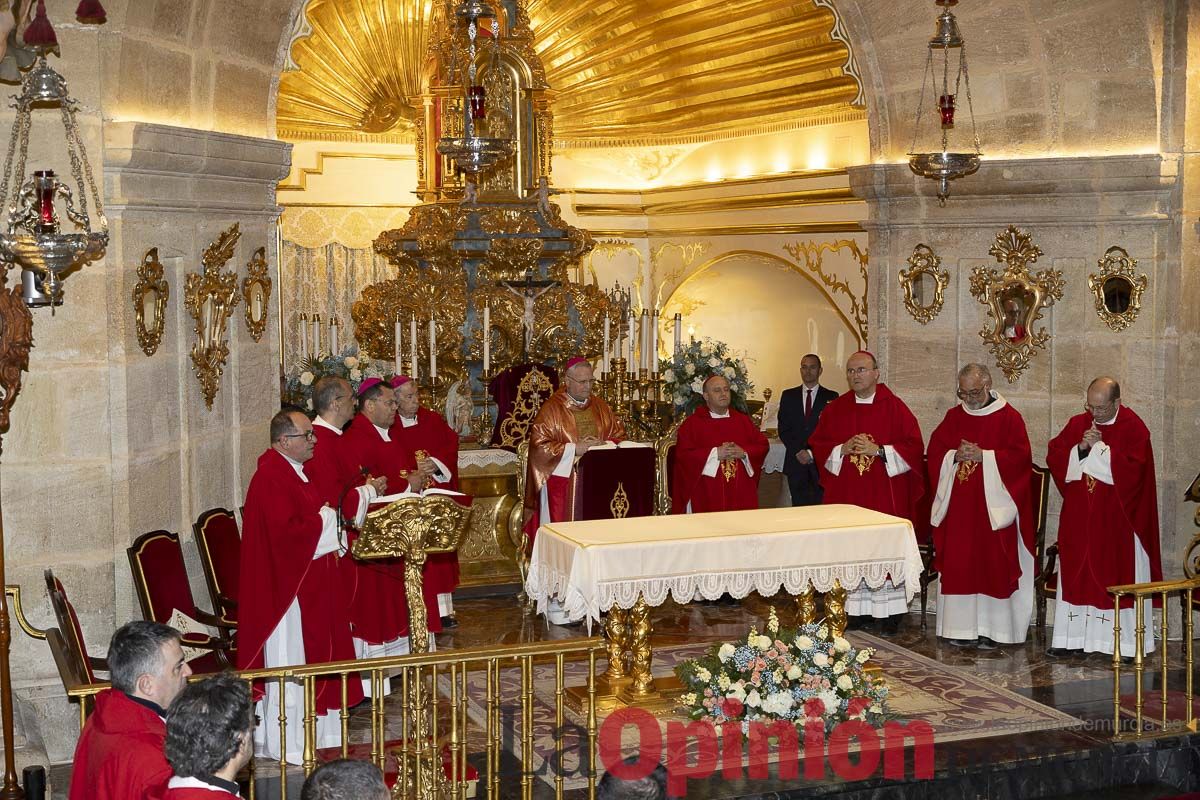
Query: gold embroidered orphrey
[
  {"x": 923, "y": 263},
  {"x": 1030, "y": 292},
  {"x": 515, "y": 427},
  {"x": 729, "y": 469},
  {"x": 619, "y": 505},
  {"x": 256, "y": 290},
  {"x": 861, "y": 461},
  {"x": 1117, "y": 268},
  {"x": 965, "y": 470},
  {"x": 151, "y": 289},
  {"x": 210, "y": 297}
]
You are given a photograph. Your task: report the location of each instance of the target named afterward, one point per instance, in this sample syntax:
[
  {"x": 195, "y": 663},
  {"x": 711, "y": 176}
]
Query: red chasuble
[
  {"x": 120, "y": 751},
  {"x": 970, "y": 556},
  {"x": 281, "y": 525},
  {"x": 433, "y": 437},
  {"x": 864, "y": 481},
  {"x": 1099, "y": 521},
  {"x": 379, "y": 610},
  {"x": 732, "y": 488}
]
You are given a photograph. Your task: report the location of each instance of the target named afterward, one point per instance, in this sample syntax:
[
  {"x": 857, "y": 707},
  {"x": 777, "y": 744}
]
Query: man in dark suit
[{"x": 799, "y": 409}]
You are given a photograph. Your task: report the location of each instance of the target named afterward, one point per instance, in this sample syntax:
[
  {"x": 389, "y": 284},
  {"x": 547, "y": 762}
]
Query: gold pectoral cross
[
  {"x": 965, "y": 470},
  {"x": 729, "y": 469},
  {"x": 863, "y": 462}
]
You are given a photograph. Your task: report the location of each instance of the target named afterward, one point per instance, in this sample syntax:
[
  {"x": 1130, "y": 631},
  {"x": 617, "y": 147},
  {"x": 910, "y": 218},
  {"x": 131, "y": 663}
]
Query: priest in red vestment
[
  {"x": 210, "y": 737},
  {"x": 1103, "y": 465},
  {"x": 569, "y": 423},
  {"x": 868, "y": 450},
  {"x": 423, "y": 435},
  {"x": 120, "y": 750},
  {"x": 719, "y": 455},
  {"x": 291, "y": 607},
  {"x": 982, "y": 515},
  {"x": 379, "y": 611}
]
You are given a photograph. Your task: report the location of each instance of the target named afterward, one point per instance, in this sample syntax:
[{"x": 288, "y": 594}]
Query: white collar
[
  {"x": 406, "y": 422},
  {"x": 382, "y": 432},
  {"x": 804, "y": 386},
  {"x": 296, "y": 465},
  {"x": 715, "y": 415},
  {"x": 321, "y": 421},
  {"x": 990, "y": 408},
  {"x": 576, "y": 403},
  {"x": 865, "y": 400},
  {"x": 177, "y": 782},
  {"x": 1111, "y": 421}
]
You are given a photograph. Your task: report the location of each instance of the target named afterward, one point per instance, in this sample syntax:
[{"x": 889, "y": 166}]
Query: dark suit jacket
[{"x": 794, "y": 429}]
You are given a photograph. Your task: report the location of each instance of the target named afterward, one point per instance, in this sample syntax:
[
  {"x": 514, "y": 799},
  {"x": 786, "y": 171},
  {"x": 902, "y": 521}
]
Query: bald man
[{"x": 1103, "y": 464}]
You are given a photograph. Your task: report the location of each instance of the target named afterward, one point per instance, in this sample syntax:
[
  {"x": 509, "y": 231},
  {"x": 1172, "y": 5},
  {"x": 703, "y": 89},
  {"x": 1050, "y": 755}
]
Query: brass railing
[
  {"x": 446, "y": 675},
  {"x": 1141, "y": 593}
]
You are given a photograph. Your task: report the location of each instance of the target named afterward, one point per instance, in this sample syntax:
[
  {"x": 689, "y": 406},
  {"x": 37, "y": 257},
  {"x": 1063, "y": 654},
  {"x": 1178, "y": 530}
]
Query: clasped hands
[
  {"x": 586, "y": 443},
  {"x": 968, "y": 451},
  {"x": 861, "y": 445},
  {"x": 730, "y": 451},
  {"x": 420, "y": 479},
  {"x": 1090, "y": 437}
]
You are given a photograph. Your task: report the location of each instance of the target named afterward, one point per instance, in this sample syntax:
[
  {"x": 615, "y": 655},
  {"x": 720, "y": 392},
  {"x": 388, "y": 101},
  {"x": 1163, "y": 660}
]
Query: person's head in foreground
[
  {"x": 145, "y": 660},
  {"x": 648, "y": 787},
  {"x": 345, "y": 779},
  {"x": 210, "y": 728}
]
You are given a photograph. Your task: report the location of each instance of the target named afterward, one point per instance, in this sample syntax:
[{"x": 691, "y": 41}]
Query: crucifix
[{"x": 527, "y": 292}]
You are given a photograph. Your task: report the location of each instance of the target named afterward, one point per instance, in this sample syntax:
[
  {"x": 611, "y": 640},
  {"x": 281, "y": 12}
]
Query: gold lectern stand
[{"x": 411, "y": 528}]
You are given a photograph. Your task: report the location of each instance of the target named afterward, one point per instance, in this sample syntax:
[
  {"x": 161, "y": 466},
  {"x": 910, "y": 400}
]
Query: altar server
[
  {"x": 983, "y": 527},
  {"x": 569, "y": 423},
  {"x": 718, "y": 456},
  {"x": 423, "y": 435},
  {"x": 291, "y": 608},
  {"x": 1103, "y": 464},
  {"x": 868, "y": 449}
]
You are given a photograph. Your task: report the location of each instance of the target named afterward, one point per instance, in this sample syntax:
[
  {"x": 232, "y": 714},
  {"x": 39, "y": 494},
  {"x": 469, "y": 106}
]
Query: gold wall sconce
[
  {"x": 150, "y": 295},
  {"x": 210, "y": 297},
  {"x": 1015, "y": 298},
  {"x": 924, "y": 284},
  {"x": 1118, "y": 288},
  {"x": 256, "y": 290}
]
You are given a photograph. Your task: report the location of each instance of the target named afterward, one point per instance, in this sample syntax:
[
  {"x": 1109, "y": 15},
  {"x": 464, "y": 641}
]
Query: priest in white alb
[{"x": 982, "y": 517}]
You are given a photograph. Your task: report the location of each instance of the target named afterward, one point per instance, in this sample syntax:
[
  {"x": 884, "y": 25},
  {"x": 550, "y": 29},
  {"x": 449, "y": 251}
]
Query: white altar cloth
[
  {"x": 591, "y": 566},
  {"x": 485, "y": 457}
]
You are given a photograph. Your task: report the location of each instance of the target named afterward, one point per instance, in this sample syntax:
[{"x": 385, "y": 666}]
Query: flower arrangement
[
  {"x": 794, "y": 675},
  {"x": 684, "y": 374},
  {"x": 348, "y": 364}
]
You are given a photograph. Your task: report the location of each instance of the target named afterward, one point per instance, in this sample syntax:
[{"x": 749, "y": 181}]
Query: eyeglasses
[
  {"x": 973, "y": 393},
  {"x": 858, "y": 370},
  {"x": 307, "y": 436}
]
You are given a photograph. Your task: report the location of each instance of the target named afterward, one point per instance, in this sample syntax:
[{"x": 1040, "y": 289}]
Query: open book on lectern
[
  {"x": 391, "y": 498},
  {"x": 617, "y": 445}
]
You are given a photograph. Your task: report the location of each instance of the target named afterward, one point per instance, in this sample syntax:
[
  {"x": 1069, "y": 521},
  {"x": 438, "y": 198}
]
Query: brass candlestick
[{"x": 485, "y": 425}]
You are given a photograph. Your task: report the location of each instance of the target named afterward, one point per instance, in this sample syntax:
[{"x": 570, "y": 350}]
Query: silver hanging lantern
[
  {"x": 944, "y": 166},
  {"x": 33, "y": 236}
]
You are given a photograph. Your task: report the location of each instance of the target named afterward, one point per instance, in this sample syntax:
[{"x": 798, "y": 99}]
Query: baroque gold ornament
[
  {"x": 210, "y": 297},
  {"x": 924, "y": 284},
  {"x": 256, "y": 289},
  {"x": 150, "y": 295},
  {"x": 1118, "y": 288}
]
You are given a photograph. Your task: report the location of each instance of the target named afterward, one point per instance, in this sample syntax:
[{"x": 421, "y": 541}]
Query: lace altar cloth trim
[
  {"x": 545, "y": 582},
  {"x": 775, "y": 456},
  {"x": 491, "y": 457}
]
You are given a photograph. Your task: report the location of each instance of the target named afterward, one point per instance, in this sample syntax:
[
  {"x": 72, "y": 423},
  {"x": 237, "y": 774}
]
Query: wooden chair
[
  {"x": 80, "y": 666},
  {"x": 160, "y": 576},
  {"x": 220, "y": 546},
  {"x": 1044, "y": 560}
]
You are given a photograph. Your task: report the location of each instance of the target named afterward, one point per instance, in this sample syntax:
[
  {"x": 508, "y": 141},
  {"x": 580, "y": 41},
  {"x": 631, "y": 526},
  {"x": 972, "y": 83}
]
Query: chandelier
[
  {"x": 33, "y": 237},
  {"x": 471, "y": 152},
  {"x": 944, "y": 166}
]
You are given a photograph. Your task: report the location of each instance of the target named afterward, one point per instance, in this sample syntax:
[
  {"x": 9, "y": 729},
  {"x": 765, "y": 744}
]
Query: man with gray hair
[
  {"x": 345, "y": 779},
  {"x": 120, "y": 750},
  {"x": 982, "y": 516}
]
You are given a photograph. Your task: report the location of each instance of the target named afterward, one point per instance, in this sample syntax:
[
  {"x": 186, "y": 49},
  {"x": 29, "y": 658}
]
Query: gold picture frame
[
  {"x": 924, "y": 276},
  {"x": 1015, "y": 299},
  {"x": 210, "y": 297},
  {"x": 256, "y": 291},
  {"x": 150, "y": 295},
  {"x": 1118, "y": 288}
]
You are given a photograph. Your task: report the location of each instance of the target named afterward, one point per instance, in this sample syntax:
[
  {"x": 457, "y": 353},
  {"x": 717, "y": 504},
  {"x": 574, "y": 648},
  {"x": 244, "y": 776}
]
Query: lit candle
[
  {"x": 316, "y": 330},
  {"x": 692, "y": 334},
  {"x": 303, "y": 335},
  {"x": 432, "y": 350},
  {"x": 678, "y": 332},
  {"x": 487, "y": 338},
  {"x": 333, "y": 336},
  {"x": 399, "y": 345},
  {"x": 412, "y": 338}
]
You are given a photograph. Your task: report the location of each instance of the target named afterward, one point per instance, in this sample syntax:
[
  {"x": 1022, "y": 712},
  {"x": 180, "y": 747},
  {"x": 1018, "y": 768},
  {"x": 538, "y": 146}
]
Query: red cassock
[
  {"x": 1099, "y": 521},
  {"x": 379, "y": 611},
  {"x": 731, "y": 488},
  {"x": 887, "y": 421},
  {"x": 120, "y": 752},
  {"x": 970, "y": 556},
  {"x": 281, "y": 526},
  {"x": 432, "y": 436}
]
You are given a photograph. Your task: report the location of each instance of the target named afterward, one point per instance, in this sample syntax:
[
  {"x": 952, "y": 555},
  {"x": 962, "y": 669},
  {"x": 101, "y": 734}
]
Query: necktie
[{"x": 808, "y": 402}]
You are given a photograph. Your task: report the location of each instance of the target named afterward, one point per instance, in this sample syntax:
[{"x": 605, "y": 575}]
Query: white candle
[
  {"x": 678, "y": 332},
  {"x": 412, "y": 339},
  {"x": 654, "y": 343},
  {"x": 487, "y": 338},
  {"x": 316, "y": 330},
  {"x": 645, "y": 340},
  {"x": 399, "y": 346},
  {"x": 604, "y": 362},
  {"x": 432, "y": 350},
  {"x": 304, "y": 335},
  {"x": 333, "y": 336}
]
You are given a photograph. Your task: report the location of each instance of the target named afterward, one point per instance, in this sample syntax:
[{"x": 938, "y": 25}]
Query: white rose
[
  {"x": 726, "y": 652},
  {"x": 821, "y": 660},
  {"x": 839, "y": 668},
  {"x": 356, "y": 374},
  {"x": 804, "y": 642},
  {"x": 841, "y": 645},
  {"x": 669, "y": 376},
  {"x": 703, "y": 674},
  {"x": 698, "y": 386},
  {"x": 736, "y": 693},
  {"x": 794, "y": 672},
  {"x": 714, "y": 362},
  {"x": 306, "y": 378},
  {"x": 762, "y": 642},
  {"x": 728, "y": 372},
  {"x": 350, "y": 361},
  {"x": 863, "y": 656},
  {"x": 690, "y": 369},
  {"x": 754, "y": 700},
  {"x": 844, "y": 683}
]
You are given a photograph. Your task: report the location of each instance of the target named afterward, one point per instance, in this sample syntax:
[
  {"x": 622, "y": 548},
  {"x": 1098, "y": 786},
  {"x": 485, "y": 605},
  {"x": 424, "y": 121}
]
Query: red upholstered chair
[
  {"x": 81, "y": 666},
  {"x": 159, "y": 573},
  {"x": 1045, "y": 582},
  {"x": 220, "y": 547}
]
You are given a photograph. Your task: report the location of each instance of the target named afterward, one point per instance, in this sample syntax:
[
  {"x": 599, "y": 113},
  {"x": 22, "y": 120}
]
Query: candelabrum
[
  {"x": 484, "y": 424},
  {"x": 616, "y": 387}
]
